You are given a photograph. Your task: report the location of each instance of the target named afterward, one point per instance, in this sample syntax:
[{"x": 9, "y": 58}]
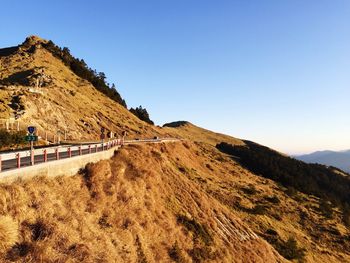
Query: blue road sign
[{"x": 31, "y": 129}]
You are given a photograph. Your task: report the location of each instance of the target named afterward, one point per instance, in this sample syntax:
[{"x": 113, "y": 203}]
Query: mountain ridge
[
  {"x": 177, "y": 202},
  {"x": 339, "y": 159},
  {"x": 63, "y": 101}
]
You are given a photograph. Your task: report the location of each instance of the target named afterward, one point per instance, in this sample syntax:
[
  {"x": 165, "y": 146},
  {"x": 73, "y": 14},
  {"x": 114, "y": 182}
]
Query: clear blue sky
[{"x": 275, "y": 72}]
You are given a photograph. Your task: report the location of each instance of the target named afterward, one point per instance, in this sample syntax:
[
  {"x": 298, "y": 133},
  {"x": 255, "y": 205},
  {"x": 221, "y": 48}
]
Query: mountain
[
  {"x": 339, "y": 159},
  {"x": 207, "y": 198},
  {"x": 39, "y": 87}
]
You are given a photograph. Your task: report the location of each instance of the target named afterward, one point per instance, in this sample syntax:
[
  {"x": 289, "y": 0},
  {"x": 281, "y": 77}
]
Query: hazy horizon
[{"x": 274, "y": 72}]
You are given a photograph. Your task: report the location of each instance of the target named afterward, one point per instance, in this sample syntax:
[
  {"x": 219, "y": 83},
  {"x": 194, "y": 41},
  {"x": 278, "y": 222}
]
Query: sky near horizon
[{"x": 275, "y": 72}]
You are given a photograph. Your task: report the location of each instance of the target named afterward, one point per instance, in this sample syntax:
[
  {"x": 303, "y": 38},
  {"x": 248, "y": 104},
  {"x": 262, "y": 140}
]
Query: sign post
[
  {"x": 31, "y": 138},
  {"x": 102, "y": 136}
]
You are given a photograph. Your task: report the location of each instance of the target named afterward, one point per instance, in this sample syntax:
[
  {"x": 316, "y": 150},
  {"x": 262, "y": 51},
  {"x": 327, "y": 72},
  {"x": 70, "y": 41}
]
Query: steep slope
[
  {"x": 187, "y": 130},
  {"x": 64, "y": 101},
  {"x": 146, "y": 204},
  {"x": 177, "y": 202},
  {"x": 298, "y": 225}
]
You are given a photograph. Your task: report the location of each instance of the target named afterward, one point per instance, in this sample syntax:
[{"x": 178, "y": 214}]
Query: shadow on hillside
[
  {"x": 314, "y": 179},
  {"x": 4, "y": 52},
  {"x": 18, "y": 78}
]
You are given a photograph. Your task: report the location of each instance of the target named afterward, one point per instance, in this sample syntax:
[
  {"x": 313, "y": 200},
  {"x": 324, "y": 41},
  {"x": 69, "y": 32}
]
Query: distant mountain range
[{"x": 339, "y": 159}]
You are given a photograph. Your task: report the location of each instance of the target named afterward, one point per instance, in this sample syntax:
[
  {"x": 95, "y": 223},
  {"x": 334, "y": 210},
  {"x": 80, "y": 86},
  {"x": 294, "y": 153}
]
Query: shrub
[
  {"x": 290, "y": 249},
  {"x": 326, "y": 209},
  {"x": 251, "y": 190},
  {"x": 9, "y": 138},
  {"x": 259, "y": 210},
  {"x": 142, "y": 114},
  {"x": 273, "y": 199},
  {"x": 196, "y": 228},
  {"x": 18, "y": 251},
  {"x": 346, "y": 216},
  {"x": 201, "y": 254},
  {"x": 79, "y": 67},
  {"x": 40, "y": 230},
  {"x": 314, "y": 179},
  {"x": 176, "y": 254}
]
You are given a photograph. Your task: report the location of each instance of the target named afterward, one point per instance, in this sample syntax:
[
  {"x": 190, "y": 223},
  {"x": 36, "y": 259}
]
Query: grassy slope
[
  {"x": 294, "y": 215},
  {"x": 127, "y": 209},
  {"x": 68, "y": 102}
]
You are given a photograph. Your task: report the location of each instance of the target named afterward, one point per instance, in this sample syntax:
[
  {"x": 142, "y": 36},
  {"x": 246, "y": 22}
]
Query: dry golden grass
[
  {"x": 68, "y": 103},
  {"x": 8, "y": 232},
  {"x": 179, "y": 202},
  {"x": 192, "y": 132},
  {"x": 137, "y": 207},
  {"x": 182, "y": 202}
]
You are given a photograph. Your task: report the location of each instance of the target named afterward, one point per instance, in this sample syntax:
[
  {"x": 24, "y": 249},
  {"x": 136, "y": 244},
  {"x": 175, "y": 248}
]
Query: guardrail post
[
  {"x": 80, "y": 151},
  {"x": 57, "y": 154},
  {"x": 18, "y": 157},
  {"x": 69, "y": 152},
  {"x": 89, "y": 148},
  {"x": 96, "y": 148},
  {"x": 45, "y": 155}
]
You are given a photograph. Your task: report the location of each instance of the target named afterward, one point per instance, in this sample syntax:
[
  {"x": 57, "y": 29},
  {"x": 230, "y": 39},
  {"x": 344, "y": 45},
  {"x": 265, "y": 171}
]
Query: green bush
[
  {"x": 11, "y": 138},
  {"x": 80, "y": 68},
  {"x": 142, "y": 114}
]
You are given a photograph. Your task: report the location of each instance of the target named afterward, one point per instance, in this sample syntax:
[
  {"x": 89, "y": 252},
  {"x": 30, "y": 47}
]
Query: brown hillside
[
  {"x": 269, "y": 209},
  {"x": 67, "y": 102},
  {"x": 175, "y": 202},
  {"x": 146, "y": 204}
]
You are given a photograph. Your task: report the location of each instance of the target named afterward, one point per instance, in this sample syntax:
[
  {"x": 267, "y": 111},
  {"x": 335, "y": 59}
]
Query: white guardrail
[
  {"x": 68, "y": 149},
  {"x": 55, "y": 149}
]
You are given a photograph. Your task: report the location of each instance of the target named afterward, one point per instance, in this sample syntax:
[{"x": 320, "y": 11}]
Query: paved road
[
  {"x": 9, "y": 161},
  {"x": 25, "y": 161}
]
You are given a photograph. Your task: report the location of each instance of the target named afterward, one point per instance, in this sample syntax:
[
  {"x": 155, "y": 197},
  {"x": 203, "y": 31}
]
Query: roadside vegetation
[{"x": 11, "y": 139}]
